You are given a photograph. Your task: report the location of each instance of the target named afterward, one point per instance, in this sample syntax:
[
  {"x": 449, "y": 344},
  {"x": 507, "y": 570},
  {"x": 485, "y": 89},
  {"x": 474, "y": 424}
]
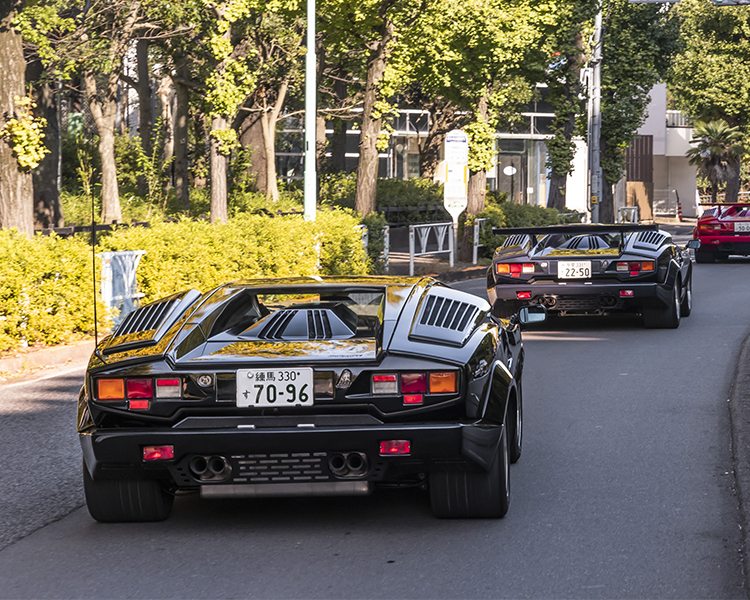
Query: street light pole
[
  {"x": 595, "y": 121},
  {"x": 311, "y": 90}
]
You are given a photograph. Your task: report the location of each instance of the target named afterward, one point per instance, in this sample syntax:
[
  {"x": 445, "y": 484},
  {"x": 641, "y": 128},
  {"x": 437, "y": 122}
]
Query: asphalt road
[{"x": 625, "y": 490}]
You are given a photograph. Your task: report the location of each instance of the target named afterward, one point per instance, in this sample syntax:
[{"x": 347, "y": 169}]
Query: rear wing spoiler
[{"x": 577, "y": 228}]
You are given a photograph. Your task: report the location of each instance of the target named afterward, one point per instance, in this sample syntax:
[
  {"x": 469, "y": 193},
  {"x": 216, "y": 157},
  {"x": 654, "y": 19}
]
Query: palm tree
[{"x": 717, "y": 151}]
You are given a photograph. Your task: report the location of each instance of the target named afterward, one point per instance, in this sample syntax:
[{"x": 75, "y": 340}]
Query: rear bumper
[
  {"x": 739, "y": 244},
  {"x": 112, "y": 454},
  {"x": 581, "y": 297}
]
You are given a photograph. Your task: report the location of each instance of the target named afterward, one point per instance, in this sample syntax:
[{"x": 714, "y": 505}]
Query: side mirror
[
  {"x": 532, "y": 314},
  {"x": 694, "y": 244}
]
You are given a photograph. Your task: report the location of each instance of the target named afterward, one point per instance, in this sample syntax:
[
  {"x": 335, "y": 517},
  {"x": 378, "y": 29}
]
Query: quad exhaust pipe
[
  {"x": 348, "y": 464},
  {"x": 607, "y": 301},
  {"x": 210, "y": 468}
]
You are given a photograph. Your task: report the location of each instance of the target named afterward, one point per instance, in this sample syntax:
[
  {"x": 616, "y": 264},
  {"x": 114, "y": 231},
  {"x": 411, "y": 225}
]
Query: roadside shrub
[{"x": 46, "y": 290}]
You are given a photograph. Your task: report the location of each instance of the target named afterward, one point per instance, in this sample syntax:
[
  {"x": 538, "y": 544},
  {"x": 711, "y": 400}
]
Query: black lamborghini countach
[
  {"x": 593, "y": 270},
  {"x": 305, "y": 387}
]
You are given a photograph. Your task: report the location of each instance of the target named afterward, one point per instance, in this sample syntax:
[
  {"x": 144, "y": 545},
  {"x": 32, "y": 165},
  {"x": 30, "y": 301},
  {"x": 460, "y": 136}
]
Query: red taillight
[
  {"x": 140, "y": 388},
  {"x": 634, "y": 267},
  {"x": 384, "y": 384},
  {"x": 168, "y": 388},
  {"x": 395, "y": 447},
  {"x": 443, "y": 383},
  {"x": 413, "y": 383},
  {"x": 523, "y": 295},
  {"x": 139, "y": 404},
  {"x": 158, "y": 452},
  {"x": 413, "y": 399},
  {"x": 110, "y": 389},
  {"x": 627, "y": 293}
]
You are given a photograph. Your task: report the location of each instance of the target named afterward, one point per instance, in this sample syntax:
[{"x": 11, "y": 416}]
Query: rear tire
[
  {"x": 704, "y": 257},
  {"x": 687, "y": 303},
  {"x": 665, "y": 318},
  {"x": 126, "y": 500},
  {"x": 460, "y": 495}
]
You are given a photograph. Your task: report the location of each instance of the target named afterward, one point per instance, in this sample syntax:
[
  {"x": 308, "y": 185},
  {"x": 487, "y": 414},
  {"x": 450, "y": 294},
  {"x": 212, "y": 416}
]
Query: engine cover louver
[
  {"x": 649, "y": 239},
  {"x": 517, "y": 239},
  {"x": 443, "y": 318},
  {"x": 306, "y": 324},
  {"x": 145, "y": 319}
]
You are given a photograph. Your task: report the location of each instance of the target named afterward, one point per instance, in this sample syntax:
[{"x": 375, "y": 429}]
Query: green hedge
[{"x": 46, "y": 285}]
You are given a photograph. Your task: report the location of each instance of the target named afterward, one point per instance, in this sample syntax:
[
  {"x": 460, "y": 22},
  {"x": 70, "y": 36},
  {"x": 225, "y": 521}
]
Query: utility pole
[
  {"x": 311, "y": 90},
  {"x": 595, "y": 121}
]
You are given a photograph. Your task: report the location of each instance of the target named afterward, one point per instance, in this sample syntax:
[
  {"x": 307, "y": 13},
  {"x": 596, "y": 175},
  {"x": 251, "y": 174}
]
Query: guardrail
[
  {"x": 385, "y": 255},
  {"x": 423, "y": 231},
  {"x": 475, "y": 245},
  {"x": 627, "y": 214},
  {"x": 396, "y": 215}
]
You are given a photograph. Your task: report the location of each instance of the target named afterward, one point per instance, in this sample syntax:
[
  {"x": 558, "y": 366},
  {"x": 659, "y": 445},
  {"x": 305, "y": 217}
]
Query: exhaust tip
[
  {"x": 337, "y": 464},
  {"x": 356, "y": 463},
  {"x": 607, "y": 301},
  {"x": 198, "y": 465}
]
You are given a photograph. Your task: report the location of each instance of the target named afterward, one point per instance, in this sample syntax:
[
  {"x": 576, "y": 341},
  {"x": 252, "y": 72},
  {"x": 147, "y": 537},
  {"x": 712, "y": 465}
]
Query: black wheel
[
  {"x": 704, "y": 257},
  {"x": 687, "y": 302},
  {"x": 458, "y": 494},
  {"x": 665, "y": 318},
  {"x": 515, "y": 427},
  {"x": 124, "y": 500}
]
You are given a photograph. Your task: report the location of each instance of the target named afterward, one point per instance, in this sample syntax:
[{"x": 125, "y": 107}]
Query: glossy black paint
[
  {"x": 449, "y": 430},
  {"x": 600, "y": 293}
]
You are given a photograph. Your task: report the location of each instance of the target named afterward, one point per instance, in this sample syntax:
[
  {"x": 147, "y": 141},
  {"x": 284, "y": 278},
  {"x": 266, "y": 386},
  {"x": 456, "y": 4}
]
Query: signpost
[{"x": 455, "y": 190}]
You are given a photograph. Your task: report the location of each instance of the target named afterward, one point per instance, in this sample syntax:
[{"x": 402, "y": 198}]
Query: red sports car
[{"x": 723, "y": 229}]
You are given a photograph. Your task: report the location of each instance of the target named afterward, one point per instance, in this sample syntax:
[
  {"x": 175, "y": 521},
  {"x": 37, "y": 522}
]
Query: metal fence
[
  {"x": 385, "y": 254},
  {"x": 440, "y": 230},
  {"x": 479, "y": 225}
]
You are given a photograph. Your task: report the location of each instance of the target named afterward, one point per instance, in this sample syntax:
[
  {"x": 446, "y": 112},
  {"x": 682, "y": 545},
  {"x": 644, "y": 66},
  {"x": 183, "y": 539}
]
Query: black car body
[
  {"x": 592, "y": 270},
  {"x": 305, "y": 386}
]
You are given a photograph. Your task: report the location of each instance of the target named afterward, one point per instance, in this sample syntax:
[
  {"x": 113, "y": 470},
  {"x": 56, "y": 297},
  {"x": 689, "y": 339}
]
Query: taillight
[
  {"x": 413, "y": 383},
  {"x": 627, "y": 293},
  {"x": 502, "y": 268},
  {"x": 523, "y": 295},
  {"x": 140, "y": 388},
  {"x": 443, "y": 383},
  {"x": 635, "y": 267},
  {"x": 168, "y": 388},
  {"x": 647, "y": 266},
  {"x": 158, "y": 452},
  {"x": 111, "y": 389},
  {"x": 395, "y": 447},
  {"x": 514, "y": 269},
  {"x": 413, "y": 398},
  {"x": 384, "y": 384},
  {"x": 139, "y": 404}
]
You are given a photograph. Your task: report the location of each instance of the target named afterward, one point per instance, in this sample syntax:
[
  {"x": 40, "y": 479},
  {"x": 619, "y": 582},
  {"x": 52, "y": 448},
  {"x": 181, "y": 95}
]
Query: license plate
[
  {"x": 274, "y": 387},
  {"x": 574, "y": 269},
  {"x": 742, "y": 226}
]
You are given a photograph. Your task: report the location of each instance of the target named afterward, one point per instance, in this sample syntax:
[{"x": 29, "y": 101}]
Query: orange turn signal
[
  {"x": 111, "y": 389},
  {"x": 443, "y": 383}
]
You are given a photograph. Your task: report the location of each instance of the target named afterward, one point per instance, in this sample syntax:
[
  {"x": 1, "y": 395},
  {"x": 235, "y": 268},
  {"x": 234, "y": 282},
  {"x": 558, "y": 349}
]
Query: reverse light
[
  {"x": 140, "y": 388},
  {"x": 111, "y": 389},
  {"x": 168, "y": 388},
  {"x": 413, "y": 398},
  {"x": 523, "y": 295},
  {"x": 395, "y": 447},
  {"x": 413, "y": 383},
  {"x": 158, "y": 452},
  {"x": 443, "y": 383},
  {"x": 384, "y": 384}
]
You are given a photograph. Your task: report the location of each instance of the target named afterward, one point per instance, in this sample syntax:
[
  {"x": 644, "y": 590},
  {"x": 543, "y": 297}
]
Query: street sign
[{"x": 455, "y": 189}]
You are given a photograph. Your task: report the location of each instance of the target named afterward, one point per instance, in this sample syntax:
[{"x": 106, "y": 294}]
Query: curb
[
  {"x": 47, "y": 357},
  {"x": 739, "y": 422}
]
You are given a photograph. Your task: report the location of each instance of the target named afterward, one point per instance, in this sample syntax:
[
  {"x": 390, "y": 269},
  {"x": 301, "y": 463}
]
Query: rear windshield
[{"x": 569, "y": 244}]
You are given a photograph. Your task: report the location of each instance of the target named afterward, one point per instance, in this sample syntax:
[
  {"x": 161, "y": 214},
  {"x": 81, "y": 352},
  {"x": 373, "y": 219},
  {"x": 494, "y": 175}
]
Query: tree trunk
[
  {"x": 145, "y": 110},
  {"x": 268, "y": 119},
  {"x": 219, "y": 163},
  {"x": 732, "y": 190},
  {"x": 338, "y": 145},
  {"x": 477, "y": 193},
  {"x": 199, "y": 155},
  {"x": 557, "y": 185},
  {"x": 442, "y": 120},
  {"x": 181, "y": 120},
  {"x": 251, "y": 137},
  {"x": 320, "y": 143},
  {"x": 367, "y": 169},
  {"x": 165, "y": 93},
  {"x": 104, "y": 112},
  {"x": 48, "y": 210},
  {"x": 607, "y": 200},
  {"x": 16, "y": 190}
]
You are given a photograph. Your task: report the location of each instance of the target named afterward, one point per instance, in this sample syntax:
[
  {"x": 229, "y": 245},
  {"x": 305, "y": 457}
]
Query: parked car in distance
[
  {"x": 590, "y": 269},
  {"x": 723, "y": 229},
  {"x": 305, "y": 386}
]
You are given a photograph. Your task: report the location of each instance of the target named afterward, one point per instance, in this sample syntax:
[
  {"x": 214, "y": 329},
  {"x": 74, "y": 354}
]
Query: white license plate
[
  {"x": 274, "y": 387},
  {"x": 742, "y": 226},
  {"x": 573, "y": 269}
]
